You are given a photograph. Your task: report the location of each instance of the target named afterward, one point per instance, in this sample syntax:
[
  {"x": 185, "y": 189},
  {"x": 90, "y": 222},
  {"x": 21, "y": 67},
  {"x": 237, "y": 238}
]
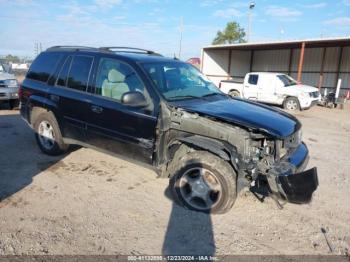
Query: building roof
[{"x": 320, "y": 42}]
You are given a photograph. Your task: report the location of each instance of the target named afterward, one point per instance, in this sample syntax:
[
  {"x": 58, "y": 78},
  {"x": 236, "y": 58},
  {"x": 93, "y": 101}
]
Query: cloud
[
  {"x": 339, "y": 21},
  {"x": 283, "y": 12},
  {"x": 316, "y": 5},
  {"x": 346, "y": 2},
  {"x": 107, "y": 3},
  {"x": 207, "y": 3},
  {"x": 155, "y": 12},
  {"x": 227, "y": 13}
]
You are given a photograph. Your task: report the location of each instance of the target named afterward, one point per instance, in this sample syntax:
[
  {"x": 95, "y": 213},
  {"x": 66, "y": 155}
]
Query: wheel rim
[
  {"x": 233, "y": 94},
  {"x": 46, "y": 135},
  {"x": 200, "y": 188},
  {"x": 292, "y": 105}
]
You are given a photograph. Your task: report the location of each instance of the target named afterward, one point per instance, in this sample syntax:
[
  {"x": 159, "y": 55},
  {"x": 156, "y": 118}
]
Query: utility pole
[
  {"x": 181, "y": 30},
  {"x": 36, "y": 48},
  {"x": 251, "y": 7}
]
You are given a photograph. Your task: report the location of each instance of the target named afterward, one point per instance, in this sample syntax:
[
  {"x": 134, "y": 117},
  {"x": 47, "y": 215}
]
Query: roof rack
[
  {"x": 74, "y": 47},
  {"x": 112, "y": 49},
  {"x": 125, "y": 49}
]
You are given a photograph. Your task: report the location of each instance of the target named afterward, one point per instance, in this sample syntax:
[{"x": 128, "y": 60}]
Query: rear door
[
  {"x": 124, "y": 130},
  {"x": 69, "y": 91},
  {"x": 250, "y": 89}
]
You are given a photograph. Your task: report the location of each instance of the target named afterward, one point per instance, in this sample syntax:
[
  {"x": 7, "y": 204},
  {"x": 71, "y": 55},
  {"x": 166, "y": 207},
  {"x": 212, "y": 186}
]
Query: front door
[
  {"x": 266, "y": 90},
  {"x": 124, "y": 130},
  {"x": 250, "y": 88}
]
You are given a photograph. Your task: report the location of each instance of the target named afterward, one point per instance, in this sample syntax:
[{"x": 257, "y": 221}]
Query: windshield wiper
[
  {"x": 183, "y": 97},
  {"x": 213, "y": 94}
]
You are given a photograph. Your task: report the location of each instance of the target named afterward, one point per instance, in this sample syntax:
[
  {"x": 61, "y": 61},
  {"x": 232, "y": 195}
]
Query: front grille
[
  {"x": 2, "y": 94},
  {"x": 315, "y": 94}
]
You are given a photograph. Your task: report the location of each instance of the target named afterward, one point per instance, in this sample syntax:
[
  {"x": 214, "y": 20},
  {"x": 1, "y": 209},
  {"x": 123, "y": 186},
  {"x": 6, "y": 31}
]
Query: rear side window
[
  {"x": 253, "y": 79},
  {"x": 62, "y": 77},
  {"x": 78, "y": 77},
  {"x": 43, "y": 66}
]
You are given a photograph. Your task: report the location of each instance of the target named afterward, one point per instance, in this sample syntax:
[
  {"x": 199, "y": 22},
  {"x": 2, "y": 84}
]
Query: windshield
[
  {"x": 287, "y": 80},
  {"x": 177, "y": 80}
]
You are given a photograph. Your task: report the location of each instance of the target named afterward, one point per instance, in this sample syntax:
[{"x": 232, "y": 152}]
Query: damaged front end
[
  {"x": 283, "y": 164},
  {"x": 288, "y": 178},
  {"x": 253, "y": 152}
]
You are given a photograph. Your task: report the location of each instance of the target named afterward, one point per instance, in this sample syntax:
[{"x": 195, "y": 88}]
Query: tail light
[
  {"x": 23, "y": 94},
  {"x": 20, "y": 92}
]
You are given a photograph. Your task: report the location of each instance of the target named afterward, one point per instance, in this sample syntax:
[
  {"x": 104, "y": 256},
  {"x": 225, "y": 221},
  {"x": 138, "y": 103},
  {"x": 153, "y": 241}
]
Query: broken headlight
[
  {"x": 261, "y": 148},
  {"x": 294, "y": 140}
]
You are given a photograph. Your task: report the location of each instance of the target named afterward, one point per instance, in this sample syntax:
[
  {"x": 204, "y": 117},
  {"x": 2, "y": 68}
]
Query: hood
[
  {"x": 304, "y": 88},
  {"x": 5, "y": 76},
  {"x": 244, "y": 113}
]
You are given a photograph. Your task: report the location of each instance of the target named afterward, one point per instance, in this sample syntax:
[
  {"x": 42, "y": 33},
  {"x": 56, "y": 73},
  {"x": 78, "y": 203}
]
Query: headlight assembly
[{"x": 11, "y": 82}]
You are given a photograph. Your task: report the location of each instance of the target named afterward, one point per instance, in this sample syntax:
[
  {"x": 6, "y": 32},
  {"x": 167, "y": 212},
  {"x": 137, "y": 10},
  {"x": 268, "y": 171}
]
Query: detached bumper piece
[
  {"x": 298, "y": 188},
  {"x": 289, "y": 180}
]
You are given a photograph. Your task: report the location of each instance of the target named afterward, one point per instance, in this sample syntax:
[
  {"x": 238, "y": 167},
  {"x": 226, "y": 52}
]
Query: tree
[
  {"x": 12, "y": 58},
  {"x": 233, "y": 33}
]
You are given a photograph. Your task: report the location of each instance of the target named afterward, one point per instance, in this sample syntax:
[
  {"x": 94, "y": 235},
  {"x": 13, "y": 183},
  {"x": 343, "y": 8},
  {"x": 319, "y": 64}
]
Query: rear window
[
  {"x": 79, "y": 72},
  {"x": 43, "y": 66},
  {"x": 253, "y": 79}
]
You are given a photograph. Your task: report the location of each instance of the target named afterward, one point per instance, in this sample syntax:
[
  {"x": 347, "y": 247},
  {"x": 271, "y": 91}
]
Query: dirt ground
[{"x": 88, "y": 202}]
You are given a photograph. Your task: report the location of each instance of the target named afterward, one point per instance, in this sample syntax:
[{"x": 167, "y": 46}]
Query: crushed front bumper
[{"x": 289, "y": 180}]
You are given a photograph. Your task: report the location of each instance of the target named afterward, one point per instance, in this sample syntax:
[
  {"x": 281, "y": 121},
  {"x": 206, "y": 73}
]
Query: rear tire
[
  {"x": 234, "y": 93},
  {"x": 48, "y": 135},
  {"x": 203, "y": 182},
  {"x": 291, "y": 103}
]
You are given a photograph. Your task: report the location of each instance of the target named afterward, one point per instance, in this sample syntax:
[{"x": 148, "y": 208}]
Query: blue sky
[{"x": 154, "y": 24}]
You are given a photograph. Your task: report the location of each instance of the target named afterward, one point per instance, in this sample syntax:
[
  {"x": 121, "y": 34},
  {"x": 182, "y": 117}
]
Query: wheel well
[
  {"x": 35, "y": 112},
  {"x": 235, "y": 91},
  {"x": 285, "y": 99},
  {"x": 206, "y": 144}
]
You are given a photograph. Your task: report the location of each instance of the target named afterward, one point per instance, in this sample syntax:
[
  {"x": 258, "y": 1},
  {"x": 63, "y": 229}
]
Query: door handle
[{"x": 96, "y": 109}]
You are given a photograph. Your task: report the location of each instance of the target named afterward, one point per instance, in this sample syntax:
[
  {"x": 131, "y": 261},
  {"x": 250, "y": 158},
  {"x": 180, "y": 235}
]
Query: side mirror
[{"x": 134, "y": 99}]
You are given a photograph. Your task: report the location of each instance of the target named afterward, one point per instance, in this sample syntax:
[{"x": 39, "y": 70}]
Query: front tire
[
  {"x": 203, "y": 182},
  {"x": 291, "y": 104},
  {"x": 48, "y": 135}
]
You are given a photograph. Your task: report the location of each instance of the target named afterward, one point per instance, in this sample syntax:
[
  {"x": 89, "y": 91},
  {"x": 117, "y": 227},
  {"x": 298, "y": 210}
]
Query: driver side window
[{"x": 115, "y": 78}]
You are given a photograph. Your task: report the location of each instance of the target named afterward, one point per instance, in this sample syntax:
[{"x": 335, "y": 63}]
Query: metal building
[{"x": 315, "y": 62}]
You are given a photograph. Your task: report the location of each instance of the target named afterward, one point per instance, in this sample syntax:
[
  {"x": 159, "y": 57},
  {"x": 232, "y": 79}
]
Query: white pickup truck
[{"x": 273, "y": 88}]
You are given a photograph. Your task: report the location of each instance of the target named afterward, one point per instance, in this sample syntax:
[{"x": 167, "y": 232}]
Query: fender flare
[{"x": 219, "y": 148}]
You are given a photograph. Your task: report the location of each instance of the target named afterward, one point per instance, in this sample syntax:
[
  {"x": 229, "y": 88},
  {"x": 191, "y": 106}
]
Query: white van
[{"x": 273, "y": 88}]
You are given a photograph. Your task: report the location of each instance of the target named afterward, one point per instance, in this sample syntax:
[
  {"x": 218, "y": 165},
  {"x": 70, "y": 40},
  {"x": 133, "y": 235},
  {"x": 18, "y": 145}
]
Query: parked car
[
  {"x": 8, "y": 87},
  {"x": 165, "y": 114},
  {"x": 273, "y": 88}
]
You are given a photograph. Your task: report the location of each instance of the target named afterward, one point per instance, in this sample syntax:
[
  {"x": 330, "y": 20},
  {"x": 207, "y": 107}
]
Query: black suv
[{"x": 165, "y": 113}]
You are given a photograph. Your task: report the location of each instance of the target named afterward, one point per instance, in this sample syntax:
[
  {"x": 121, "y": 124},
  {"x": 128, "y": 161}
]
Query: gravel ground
[{"x": 87, "y": 202}]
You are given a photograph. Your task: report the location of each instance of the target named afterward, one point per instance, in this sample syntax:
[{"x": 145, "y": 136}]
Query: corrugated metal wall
[
  {"x": 216, "y": 64},
  {"x": 271, "y": 60}
]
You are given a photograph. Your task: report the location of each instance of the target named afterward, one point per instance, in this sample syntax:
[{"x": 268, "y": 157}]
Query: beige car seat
[{"x": 114, "y": 87}]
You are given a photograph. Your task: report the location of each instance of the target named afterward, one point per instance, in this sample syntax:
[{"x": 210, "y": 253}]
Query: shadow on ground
[
  {"x": 20, "y": 157},
  {"x": 188, "y": 232}
]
